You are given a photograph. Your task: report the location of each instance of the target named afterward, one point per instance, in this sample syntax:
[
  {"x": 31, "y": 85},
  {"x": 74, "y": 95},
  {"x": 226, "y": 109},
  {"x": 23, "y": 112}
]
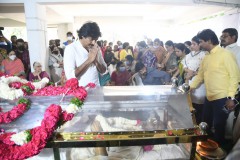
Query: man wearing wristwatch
[{"x": 220, "y": 73}]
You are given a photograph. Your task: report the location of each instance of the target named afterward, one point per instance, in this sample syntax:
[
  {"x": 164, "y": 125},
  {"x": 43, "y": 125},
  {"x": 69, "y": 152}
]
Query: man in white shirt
[
  {"x": 83, "y": 59},
  {"x": 229, "y": 39}
]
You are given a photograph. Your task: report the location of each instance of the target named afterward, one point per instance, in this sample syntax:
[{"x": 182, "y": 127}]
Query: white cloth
[
  {"x": 235, "y": 49},
  {"x": 192, "y": 61},
  {"x": 74, "y": 56},
  {"x": 111, "y": 68}
]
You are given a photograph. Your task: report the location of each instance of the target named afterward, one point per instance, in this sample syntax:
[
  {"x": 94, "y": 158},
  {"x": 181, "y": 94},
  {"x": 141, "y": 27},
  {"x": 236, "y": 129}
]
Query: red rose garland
[
  {"x": 40, "y": 136},
  {"x": 53, "y": 117},
  {"x": 3, "y": 74},
  {"x": 16, "y": 112},
  {"x": 71, "y": 84},
  {"x": 27, "y": 88}
]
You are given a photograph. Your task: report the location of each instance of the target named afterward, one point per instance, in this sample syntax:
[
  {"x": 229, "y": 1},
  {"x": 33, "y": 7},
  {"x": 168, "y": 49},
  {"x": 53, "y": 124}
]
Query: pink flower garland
[
  {"x": 53, "y": 117},
  {"x": 16, "y": 112},
  {"x": 40, "y": 136},
  {"x": 76, "y": 90},
  {"x": 27, "y": 88}
]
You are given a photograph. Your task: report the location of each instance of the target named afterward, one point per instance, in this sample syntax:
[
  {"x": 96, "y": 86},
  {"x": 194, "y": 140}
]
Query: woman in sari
[
  {"x": 181, "y": 51},
  {"x": 13, "y": 66},
  {"x": 170, "y": 60},
  {"x": 38, "y": 74}
]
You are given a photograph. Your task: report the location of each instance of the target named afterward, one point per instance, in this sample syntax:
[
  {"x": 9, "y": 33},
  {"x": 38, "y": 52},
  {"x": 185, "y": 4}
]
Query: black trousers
[
  {"x": 198, "y": 113},
  {"x": 215, "y": 114}
]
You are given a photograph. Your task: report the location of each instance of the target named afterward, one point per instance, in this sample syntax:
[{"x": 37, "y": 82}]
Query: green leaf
[
  {"x": 24, "y": 101},
  {"x": 77, "y": 102},
  {"x": 36, "y": 80},
  {"x": 50, "y": 84},
  {"x": 29, "y": 135}
]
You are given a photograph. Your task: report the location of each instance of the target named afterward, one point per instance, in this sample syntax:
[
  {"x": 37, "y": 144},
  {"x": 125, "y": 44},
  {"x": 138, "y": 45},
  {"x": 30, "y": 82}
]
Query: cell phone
[{"x": 236, "y": 102}]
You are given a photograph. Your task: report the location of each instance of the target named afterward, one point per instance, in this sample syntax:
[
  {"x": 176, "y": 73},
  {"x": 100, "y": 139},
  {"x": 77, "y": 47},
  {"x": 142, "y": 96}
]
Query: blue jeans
[{"x": 214, "y": 113}]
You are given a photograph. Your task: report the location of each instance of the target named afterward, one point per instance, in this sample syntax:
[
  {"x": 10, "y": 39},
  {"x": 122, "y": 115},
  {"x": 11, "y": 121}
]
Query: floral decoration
[
  {"x": 91, "y": 85},
  {"x": 21, "y": 137},
  {"x": 40, "y": 136},
  {"x": 71, "y": 88},
  {"x": 14, "y": 87},
  {"x": 15, "y": 112},
  {"x": 30, "y": 142}
]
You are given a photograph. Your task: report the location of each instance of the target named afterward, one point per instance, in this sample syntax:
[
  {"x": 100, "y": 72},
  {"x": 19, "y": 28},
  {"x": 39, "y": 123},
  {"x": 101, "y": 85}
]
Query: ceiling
[{"x": 13, "y": 14}]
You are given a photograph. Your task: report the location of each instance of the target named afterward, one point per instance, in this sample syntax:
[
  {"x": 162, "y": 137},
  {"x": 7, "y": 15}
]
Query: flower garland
[
  {"x": 29, "y": 143},
  {"x": 16, "y": 112},
  {"x": 14, "y": 87},
  {"x": 40, "y": 136}
]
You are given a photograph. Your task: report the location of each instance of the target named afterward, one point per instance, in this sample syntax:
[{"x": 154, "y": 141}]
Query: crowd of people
[{"x": 210, "y": 66}]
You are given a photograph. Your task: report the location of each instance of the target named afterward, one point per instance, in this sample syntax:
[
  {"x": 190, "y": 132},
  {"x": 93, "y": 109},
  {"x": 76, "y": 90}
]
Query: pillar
[{"x": 35, "y": 15}]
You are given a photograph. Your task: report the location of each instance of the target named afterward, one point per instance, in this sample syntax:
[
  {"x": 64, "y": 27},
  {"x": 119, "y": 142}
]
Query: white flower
[
  {"x": 41, "y": 84},
  {"x": 8, "y": 80},
  {"x": 19, "y": 138},
  {"x": 72, "y": 108},
  {"x": 10, "y": 93},
  {"x": 19, "y": 93}
]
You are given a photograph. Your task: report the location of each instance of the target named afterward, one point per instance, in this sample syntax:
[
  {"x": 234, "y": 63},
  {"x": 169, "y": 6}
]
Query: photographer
[{"x": 5, "y": 46}]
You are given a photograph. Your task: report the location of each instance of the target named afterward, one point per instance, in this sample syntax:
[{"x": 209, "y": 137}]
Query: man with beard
[
  {"x": 220, "y": 74},
  {"x": 23, "y": 54},
  {"x": 229, "y": 39},
  {"x": 151, "y": 76},
  {"x": 83, "y": 59}
]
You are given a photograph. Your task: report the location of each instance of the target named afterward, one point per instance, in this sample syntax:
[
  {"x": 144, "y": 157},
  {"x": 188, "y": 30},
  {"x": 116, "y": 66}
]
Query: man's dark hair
[
  {"x": 157, "y": 40},
  {"x": 69, "y": 33},
  {"x": 195, "y": 39},
  {"x": 129, "y": 58},
  {"x": 169, "y": 43},
  {"x": 231, "y": 32},
  {"x": 139, "y": 66},
  {"x": 188, "y": 43},
  {"x": 89, "y": 29},
  {"x": 142, "y": 44},
  {"x": 100, "y": 43},
  {"x": 125, "y": 45},
  {"x": 13, "y": 36},
  {"x": 20, "y": 40},
  {"x": 208, "y": 34},
  {"x": 119, "y": 64}
]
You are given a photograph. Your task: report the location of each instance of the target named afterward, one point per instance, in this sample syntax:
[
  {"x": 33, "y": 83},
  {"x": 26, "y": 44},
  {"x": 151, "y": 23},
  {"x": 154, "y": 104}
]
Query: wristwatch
[{"x": 232, "y": 98}]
